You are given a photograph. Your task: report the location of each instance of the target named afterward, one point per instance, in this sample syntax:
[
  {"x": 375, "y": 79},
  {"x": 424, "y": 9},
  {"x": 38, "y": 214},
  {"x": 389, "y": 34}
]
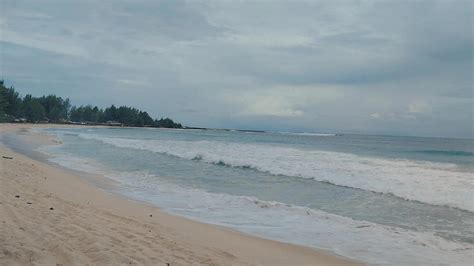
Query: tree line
[{"x": 55, "y": 109}]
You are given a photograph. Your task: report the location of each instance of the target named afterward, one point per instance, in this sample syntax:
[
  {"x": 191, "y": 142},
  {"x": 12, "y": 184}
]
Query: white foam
[
  {"x": 72, "y": 162},
  {"x": 309, "y": 134},
  {"x": 365, "y": 241},
  {"x": 428, "y": 182},
  {"x": 369, "y": 242}
]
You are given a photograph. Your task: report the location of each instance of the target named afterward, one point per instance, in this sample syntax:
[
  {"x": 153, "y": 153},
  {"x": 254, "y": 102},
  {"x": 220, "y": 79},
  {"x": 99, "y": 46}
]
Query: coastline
[{"x": 88, "y": 225}]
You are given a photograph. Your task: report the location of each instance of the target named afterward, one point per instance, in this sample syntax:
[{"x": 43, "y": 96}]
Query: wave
[
  {"x": 447, "y": 153},
  {"x": 72, "y": 162},
  {"x": 362, "y": 240},
  {"x": 427, "y": 182},
  {"x": 309, "y": 134}
]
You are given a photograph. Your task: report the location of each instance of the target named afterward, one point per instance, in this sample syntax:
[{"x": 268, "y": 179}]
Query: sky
[{"x": 369, "y": 67}]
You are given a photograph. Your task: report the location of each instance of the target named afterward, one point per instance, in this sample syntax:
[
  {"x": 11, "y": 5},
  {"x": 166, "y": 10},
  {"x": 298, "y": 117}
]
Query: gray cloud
[{"x": 390, "y": 67}]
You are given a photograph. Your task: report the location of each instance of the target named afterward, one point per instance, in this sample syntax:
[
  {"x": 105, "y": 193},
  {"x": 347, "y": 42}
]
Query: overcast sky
[{"x": 380, "y": 67}]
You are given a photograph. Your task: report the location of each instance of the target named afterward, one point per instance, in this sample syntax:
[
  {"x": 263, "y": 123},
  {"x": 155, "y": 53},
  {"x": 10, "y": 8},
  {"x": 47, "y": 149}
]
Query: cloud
[
  {"x": 130, "y": 82},
  {"x": 268, "y": 40},
  {"x": 45, "y": 43},
  {"x": 347, "y": 66},
  {"x": 375, "y": 115},
  {"x": 281, "y": 101},
  {"x": 419, "y": 108},
  {"x": 414, "y": 111},
  {"x": 271, "y": 106}
]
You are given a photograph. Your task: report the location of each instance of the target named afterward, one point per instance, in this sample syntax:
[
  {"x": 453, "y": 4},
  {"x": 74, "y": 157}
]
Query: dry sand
[{"x": 52, "y": 216}]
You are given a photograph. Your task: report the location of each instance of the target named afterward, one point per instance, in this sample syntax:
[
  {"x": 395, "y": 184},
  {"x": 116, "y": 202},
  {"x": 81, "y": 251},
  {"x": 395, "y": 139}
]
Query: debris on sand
[{"x": 362, "y": 226}]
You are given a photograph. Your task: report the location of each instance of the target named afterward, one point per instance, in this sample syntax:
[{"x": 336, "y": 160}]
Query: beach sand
[{"x": 49, "y": 215}]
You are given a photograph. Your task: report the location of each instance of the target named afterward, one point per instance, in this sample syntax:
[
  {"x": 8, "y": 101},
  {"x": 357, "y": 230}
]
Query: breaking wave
[{"x": 428, "y": 182}]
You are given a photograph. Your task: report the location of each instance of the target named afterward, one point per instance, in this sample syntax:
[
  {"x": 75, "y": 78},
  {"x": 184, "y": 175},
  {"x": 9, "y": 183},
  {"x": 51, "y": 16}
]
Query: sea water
[{"x": 379, "y": 199}]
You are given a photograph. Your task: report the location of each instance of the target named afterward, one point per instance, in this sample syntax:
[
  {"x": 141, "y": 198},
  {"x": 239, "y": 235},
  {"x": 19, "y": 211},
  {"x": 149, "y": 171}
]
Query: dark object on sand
[
  {"x": 17, "y": 196},
  {"x": 28, "y": 203},
  {"x": 151, "y": 215},
  {"x": 6, "y": 157},
  {"x": 362, "y": 226},
  {"x": 51, "y": 208}
]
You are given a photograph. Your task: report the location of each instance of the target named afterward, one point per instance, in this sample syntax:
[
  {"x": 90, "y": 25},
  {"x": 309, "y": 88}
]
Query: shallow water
[{"x": 384, "y": 200}]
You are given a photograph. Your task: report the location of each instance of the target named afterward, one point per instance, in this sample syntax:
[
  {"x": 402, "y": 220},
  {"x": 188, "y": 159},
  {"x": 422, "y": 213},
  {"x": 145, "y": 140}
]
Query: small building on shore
[
  {"x": 114, "y": 124},
  {"x": 19, "y": 120}
]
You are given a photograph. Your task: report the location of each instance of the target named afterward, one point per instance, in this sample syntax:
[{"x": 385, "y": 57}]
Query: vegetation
[{"x": 52, "y": 108}]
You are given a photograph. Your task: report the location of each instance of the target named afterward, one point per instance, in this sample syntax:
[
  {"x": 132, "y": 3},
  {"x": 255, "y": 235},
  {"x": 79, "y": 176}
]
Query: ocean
[{"x": 380, "y": 199}]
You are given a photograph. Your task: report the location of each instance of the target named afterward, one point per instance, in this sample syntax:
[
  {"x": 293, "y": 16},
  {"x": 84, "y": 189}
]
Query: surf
[{"x": 428, "y": 182}]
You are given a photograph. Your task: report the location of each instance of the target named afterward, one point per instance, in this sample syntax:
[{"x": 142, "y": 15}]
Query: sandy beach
[{"x": 52, "y": 216}]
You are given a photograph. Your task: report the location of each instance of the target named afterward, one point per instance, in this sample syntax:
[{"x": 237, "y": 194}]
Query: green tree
[
  {"x": 55, "y": 109},
  {"x": 3, "y": 102},
  {"x": 111, "y": 114},
  {"x": 14, "y": 102},
  {"x": 168, "y": 123},
  {"x": 33, "y": 109},
  {"x": 147, "y": 120}
]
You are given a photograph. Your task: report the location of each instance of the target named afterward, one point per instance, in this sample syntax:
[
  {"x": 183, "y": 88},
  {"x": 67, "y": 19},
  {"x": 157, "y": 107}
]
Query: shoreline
[{"x": 90, "y": 225}]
